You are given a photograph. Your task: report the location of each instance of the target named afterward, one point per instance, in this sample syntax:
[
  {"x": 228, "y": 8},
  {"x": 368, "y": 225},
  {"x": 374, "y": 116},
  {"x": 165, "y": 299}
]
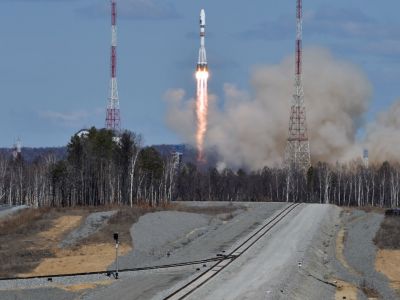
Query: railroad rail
[{"x": 239, "y": 250}]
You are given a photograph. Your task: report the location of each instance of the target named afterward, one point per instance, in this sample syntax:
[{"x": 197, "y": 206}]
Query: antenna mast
[
  {"x": 297, "y": 153},
  {"x": 113, "y": 121}
]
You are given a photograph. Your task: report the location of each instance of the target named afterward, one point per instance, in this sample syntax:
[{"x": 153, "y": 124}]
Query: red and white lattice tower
[
  {"x": 297, "y": 153},
  {"x": 113, "y": 121}
]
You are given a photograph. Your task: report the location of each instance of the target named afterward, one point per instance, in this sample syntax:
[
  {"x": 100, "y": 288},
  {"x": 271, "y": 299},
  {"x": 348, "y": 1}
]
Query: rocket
[{"x": 202, "y": 62}]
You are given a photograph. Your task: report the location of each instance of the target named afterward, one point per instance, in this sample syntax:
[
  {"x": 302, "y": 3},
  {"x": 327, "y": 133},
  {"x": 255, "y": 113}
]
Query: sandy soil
[
  {"x": 89, "y": 258},
  {"x": 84, "y": 286},
  {"x": 346, "y": 291},
  {"x": 340, "y": 240},
  {"x": 76, "y": 260},
  {"x": 388, "y": 263},
  {"x": 61, "y": 226}
]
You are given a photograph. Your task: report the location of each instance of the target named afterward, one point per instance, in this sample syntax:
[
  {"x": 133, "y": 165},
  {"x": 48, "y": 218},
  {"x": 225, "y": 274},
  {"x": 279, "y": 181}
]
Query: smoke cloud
[
  {"x": 250, "y": 128},
  {"x": 383, "y": 135}
]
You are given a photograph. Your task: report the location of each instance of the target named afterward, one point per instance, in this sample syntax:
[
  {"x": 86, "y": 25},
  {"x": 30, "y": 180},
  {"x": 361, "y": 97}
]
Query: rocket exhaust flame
[
  {"x": 202, "y": 92},
  {"x": 201, "y": 112}
]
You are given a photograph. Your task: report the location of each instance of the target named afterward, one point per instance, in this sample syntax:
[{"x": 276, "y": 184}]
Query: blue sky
[{"x": 54, "y": 70}]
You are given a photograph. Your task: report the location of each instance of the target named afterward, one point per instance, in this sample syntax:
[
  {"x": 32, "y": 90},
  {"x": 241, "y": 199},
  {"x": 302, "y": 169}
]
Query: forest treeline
[
  {"x": 101, "y": 169},
  {"x": 352, "y": 184},
  {"x": 98, "y": 169}
]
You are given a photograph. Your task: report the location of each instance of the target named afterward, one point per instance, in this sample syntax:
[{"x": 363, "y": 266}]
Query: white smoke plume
[
  {"x": 181, "y": 114},
  {"x": 251, "y": 128},
  {"x": 383, "y": 135}
]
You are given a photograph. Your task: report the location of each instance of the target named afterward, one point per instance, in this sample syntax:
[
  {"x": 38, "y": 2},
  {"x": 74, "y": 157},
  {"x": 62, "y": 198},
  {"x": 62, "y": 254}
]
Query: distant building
[{"x": 82, "y": 133}]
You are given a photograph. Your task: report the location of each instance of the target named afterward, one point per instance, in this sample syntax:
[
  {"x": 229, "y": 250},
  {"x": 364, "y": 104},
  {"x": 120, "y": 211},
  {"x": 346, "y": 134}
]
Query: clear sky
[{"x": 54, "y": 70}]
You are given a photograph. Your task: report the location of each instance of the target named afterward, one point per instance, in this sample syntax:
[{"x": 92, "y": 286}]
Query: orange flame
[{"x": 201, "y": 112}]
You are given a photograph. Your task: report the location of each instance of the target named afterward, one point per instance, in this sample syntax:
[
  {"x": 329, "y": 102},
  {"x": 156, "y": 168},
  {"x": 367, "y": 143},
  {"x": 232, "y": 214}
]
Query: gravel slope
[
  {"x": 155, "y": 234},
  {"x": 93, "y": 223}
]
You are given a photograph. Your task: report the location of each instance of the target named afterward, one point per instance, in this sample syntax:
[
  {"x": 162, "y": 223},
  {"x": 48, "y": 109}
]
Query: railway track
[{"x": 239, "y": 250}]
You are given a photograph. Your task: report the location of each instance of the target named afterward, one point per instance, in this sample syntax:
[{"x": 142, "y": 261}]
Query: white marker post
[{"x": 116, "y": 254}]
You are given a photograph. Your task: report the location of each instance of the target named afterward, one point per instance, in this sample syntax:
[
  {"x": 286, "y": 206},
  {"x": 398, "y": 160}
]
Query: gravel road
[{"x": 264, "y": 271}]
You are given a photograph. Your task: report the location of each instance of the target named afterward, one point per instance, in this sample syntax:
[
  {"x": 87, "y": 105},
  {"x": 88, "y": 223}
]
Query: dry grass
[
  {"x": 372, "y": 209},
  {"x": 29, "y": 236},
  {"x": 388, "y": 235},
  {"x": 87, "y": 258},
  {"x": 29, "y": 241},
  {"x": 23, "y": 221}
]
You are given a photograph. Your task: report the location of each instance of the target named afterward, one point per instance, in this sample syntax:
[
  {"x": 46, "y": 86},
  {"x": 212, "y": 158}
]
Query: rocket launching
[
  {"x": 202, "y": 92},
  {"x": 202, "y": 62}
]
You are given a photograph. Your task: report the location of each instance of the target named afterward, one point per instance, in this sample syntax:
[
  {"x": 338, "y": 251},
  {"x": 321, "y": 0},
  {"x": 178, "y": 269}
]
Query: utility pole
[{"x": 116, "y": 254}]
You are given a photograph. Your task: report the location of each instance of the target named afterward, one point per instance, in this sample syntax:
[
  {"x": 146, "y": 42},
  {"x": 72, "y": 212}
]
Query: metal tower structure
[
  {"x": 297, "y": 153},
  {"x": 113, "y": 121}
]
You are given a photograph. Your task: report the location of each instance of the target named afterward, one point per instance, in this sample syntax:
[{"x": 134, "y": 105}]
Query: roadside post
[{"x": 116, "y": 254}]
